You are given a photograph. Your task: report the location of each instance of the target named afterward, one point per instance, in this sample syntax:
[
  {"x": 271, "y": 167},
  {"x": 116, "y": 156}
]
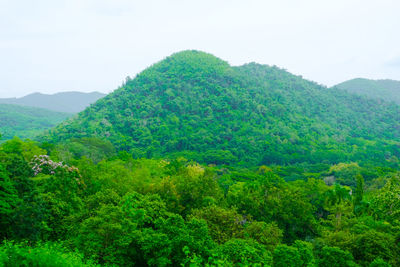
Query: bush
[{"x": 43, "y": 255}]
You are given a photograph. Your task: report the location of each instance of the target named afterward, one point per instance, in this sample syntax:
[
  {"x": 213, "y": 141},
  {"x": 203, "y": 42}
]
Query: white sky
[{"x": 92, "y": 45}]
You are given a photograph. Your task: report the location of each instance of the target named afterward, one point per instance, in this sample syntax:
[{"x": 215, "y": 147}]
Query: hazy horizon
[
  {"x": 87, "y": 46},
  {"x": 53, "y": 93}
]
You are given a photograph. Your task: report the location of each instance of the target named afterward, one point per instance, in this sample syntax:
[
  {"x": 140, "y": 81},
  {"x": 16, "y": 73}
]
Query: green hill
[
  {"x": 27, "y": 122},
  {"x": 71, "y": 102},
  {"x": 388, "y": 90},
  {"x": 198, "y": 106}
]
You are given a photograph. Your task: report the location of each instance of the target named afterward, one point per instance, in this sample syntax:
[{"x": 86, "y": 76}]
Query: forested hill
[
  {"x": 71, "y": 102},
  {"x": 388, "y": 90},
  {"x": 196, "y": 105},
  {"x": 27, "y": 122}
]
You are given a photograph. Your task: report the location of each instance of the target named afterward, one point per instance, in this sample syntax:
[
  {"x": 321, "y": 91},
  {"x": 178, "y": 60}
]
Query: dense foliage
[
  {"x": 60, "y": 208},
  {"x": 195, "y": 105},
  {"x": 388, "y": 90},
  {"x": 27, "y": 122}
]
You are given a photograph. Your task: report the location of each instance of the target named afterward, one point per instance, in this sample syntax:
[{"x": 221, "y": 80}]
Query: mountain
[
  {"x": 388, "y": 90},
  {"x": 196, "y": 105},
  {"x": 71, "y": 102},
  {"x": 27, "y": 122}
]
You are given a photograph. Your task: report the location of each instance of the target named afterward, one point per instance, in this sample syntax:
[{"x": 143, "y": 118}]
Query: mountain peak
[
  {"x": 193, "y": 54},
  {"x": 191, "y": 61}
]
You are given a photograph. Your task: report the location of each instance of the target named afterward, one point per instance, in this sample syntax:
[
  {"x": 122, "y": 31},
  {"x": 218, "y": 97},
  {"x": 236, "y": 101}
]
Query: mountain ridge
[{"x": 70, "y": 101}]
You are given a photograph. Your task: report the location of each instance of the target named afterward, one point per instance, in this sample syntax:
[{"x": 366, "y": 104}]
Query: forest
[
  {"x": 197, "y": 163},
  {"x": 27, "y": 122}
]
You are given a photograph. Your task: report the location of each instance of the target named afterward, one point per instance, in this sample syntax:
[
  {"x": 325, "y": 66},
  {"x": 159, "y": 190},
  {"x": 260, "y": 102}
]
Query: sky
[{"x": 50, "y": 46}]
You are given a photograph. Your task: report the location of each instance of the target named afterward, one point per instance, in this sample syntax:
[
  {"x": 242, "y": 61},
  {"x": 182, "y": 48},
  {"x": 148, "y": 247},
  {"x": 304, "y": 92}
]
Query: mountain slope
[
  {"x": 196, "y": 105},
  {"x": 388, "y": 90},
  {"x": 27, "y": 122},
  {"x": 71, "y": 102}
]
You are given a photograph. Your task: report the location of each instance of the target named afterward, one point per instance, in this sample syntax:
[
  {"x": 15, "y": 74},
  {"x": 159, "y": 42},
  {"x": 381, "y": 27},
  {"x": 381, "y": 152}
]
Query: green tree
[
  {"x": 359, "y": 193},
  {"x": 267, "y": 234},
  {"x": 164, "y": 245},
  {"x": 334, "y": 256},
  {"x": 305, "y": 250},
  {"x": 385, "y": 203},
  {"x": 245, "y": 253},
  {"x": 106, "y": 236},
  {"x": 287, "y": 256},
  {"x": 223, "y": 224},
  {"x": 9, "y": 201},
  {"x": 46, "y": 255},
  {"x": 371, "y": 244},
  {"x": 378, "y": 262}
]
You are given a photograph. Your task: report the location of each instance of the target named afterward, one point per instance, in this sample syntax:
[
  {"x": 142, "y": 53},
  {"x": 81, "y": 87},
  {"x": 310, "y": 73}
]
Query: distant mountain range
[
  {"x": 30, "y": 115},
  {"x": 388, "y": 90},
  {"x": 70, "y": 102}
]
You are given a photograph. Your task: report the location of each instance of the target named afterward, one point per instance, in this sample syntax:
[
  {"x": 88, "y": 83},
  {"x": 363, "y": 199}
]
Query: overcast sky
[{"x": 52, "y": 46}]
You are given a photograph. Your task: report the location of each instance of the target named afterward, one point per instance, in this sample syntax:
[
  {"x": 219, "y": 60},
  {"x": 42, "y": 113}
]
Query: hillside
[
  {"x": 198, "y": 106},
  {"x": 27, "y": 122},
  {"x": 71, "y": 102},
  {"x": 388, "y": 90}
]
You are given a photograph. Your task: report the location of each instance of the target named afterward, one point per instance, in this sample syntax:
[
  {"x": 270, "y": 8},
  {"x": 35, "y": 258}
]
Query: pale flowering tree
[
  {"x": 60, "y": 188},
  {"x": 42, "y": 164}
]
